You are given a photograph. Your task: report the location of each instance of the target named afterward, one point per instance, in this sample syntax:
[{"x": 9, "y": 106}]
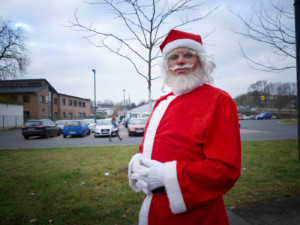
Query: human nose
[{"x": 181, "y": 59}]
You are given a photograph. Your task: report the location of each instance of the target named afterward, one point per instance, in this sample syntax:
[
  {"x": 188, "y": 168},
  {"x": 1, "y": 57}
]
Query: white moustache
[{"x": 181, "y": 67}]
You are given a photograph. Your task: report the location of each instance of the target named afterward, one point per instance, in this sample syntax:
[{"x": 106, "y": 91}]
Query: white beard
[{"x": 182, "y": 84}]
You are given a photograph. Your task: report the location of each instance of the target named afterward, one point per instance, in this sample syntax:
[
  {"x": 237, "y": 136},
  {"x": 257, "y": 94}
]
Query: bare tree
[
  {"x": 147, "y": 23},
  {"x": 14, "y": 55},
  {"x": 273, "y": 27}
]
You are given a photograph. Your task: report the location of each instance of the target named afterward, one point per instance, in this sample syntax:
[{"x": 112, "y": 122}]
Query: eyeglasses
[{"x": 187, "y": 55}]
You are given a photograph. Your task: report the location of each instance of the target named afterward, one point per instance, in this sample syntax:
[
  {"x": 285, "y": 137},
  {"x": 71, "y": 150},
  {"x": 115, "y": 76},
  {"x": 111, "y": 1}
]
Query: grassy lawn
[
  {"x": 292, "y": 121},
  {"x": 71, "y": 185}
]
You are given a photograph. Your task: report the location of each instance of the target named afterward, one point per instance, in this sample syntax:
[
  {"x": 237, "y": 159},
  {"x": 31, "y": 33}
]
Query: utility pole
[
  {"x": 297, "y": 30},
  {"x": 95, "y": 102},
  {"x": 124, "y": 109}
]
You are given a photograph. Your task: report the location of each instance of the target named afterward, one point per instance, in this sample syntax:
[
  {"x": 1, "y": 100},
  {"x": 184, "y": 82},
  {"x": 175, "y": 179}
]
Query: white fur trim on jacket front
[
  {"x": 154, "y": 122},
  {"x": 132, "y": 183},
  {"x": 174, "y": 194}
]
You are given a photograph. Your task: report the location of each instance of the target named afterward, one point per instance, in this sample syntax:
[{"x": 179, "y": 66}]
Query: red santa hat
[{"x": 176, "y": 39}]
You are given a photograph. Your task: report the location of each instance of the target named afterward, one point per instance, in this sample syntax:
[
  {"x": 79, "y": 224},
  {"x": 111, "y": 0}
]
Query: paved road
[
  {"x": 250, "y": 130},
  {"x": 267, "y": 130}
]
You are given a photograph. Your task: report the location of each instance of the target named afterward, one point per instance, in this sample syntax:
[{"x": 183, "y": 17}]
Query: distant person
[
  {"x": 115, "y": 128},
  {"x": 190, "y": 155}
]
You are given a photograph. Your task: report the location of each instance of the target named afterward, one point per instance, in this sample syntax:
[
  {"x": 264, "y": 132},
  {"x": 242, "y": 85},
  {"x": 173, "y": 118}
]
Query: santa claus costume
[{"x": 196, "y": 137}]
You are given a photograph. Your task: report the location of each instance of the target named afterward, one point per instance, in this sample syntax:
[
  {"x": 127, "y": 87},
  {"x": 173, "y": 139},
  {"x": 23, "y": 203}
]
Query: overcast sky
[{"x": 60, "y": 54}]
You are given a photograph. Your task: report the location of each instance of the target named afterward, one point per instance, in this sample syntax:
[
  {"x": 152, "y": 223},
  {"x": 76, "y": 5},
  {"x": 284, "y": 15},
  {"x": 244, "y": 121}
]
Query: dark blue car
[
  {"x": 75, "y": 128},
  {"x": 264, "y": 116}
]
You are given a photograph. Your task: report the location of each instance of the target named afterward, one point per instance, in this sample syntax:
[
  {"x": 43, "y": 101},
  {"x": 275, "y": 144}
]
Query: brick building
[{"x": 41, "y": 100}]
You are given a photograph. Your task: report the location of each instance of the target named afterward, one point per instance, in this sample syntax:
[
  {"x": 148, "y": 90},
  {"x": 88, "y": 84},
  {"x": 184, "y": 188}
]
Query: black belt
[{"x": 159, "y": 190}]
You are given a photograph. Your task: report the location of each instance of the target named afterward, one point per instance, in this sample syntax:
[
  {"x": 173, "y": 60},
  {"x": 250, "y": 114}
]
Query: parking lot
[{"x": 250, "y": 130}]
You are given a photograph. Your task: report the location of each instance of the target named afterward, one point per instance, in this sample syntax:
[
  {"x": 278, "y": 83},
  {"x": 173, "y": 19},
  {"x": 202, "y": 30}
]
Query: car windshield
[
  {"x": 103, "y": 122},
  {"x": 88, "y": 121},
  {"x": 72, "y": 124},
  {"x": 60, "y": 122},
  {"x": 137, "y": 121},
  {"x": 33, "y": 123}
]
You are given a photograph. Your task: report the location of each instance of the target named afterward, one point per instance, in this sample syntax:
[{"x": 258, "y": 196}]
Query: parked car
[
  {"x": 76, "y": 128},
  {"x": 136, "y": 126},
  {"x": 264, "y": 116},
  {"x": 252, "y": 117},
  {"x": 61, "y": 124},
  {"x": 243, "y": 117},
  {"x": 91, "y": 124},
  {"x": 43, "y": 128},
  {"x": 103, "y": 128}
]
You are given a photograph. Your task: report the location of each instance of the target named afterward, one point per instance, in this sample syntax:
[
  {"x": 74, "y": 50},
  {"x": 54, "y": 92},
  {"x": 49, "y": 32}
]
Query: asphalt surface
[
  {"x": 250, "y": 130},
  {"x": 284, "y": 212}
]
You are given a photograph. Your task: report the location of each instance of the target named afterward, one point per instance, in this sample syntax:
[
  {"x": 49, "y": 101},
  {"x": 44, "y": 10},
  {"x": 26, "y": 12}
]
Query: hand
[
  {"x": 138, "y": 168},
  {"x": 155, "y": 176},
  {"x": 139, "y": 173},
  {"x": 144, "y": 186}
]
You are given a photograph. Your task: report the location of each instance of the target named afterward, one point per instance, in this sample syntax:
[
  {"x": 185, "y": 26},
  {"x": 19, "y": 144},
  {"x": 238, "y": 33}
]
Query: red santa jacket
[{"x": 196, "y": 135}]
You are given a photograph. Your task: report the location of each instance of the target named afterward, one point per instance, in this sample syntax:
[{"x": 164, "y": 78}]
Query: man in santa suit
[{"x": 191, "y": 152}]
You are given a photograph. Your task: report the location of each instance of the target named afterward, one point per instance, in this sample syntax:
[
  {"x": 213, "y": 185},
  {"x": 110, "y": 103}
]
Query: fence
[{"x": 10, "y": 121}]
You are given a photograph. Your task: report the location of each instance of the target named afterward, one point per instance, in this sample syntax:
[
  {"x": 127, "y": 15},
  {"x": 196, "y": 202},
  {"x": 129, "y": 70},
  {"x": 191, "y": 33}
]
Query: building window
[
  {"x": 79, "y": 115},
  {"x": 69, "y": 102},
  {"x": 83, "y": 115},
  {"x": 64, "y": 115},
  {"x": 55, "y": 115},
  {"x": 64, "y": 101},
  {"x": 42, "y": 99},
  {"x": 25, "y": 98},
  {"x": 75, "y": 103},
  {"x": 79, "y": 103},
  {"x": 26, "y": 115},
  {"x": 49, "y": 97},
  {"x": 14, "y": 97},
  {"x": 70, "y": 115},
  {"x": 55, "y": 101},
  {"x": 83, "y": 104}
]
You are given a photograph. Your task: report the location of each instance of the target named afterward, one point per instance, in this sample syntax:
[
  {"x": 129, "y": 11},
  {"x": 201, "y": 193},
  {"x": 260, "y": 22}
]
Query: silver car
[{"x": 103, "y": 128}]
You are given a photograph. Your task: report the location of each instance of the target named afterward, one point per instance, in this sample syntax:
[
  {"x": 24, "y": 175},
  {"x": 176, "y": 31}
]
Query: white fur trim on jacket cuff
[
  {"x": 132, "y": 183},
  {"x": 174, "y": 194}
]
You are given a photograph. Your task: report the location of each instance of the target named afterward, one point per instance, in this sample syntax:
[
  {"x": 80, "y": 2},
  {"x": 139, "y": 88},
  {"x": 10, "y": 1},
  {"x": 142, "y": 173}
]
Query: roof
[
  {"x": 10, "y": 90},
  {"x": 24, "y": 86},
  {"x": 143, "y": 108}
]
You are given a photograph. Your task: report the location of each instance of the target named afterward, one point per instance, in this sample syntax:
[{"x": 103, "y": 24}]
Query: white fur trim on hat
[{"x": 187, "y": 43}]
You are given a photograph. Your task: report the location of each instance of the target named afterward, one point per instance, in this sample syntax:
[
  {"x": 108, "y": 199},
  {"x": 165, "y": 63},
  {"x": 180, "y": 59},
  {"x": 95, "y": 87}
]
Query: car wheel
[
  {"x": 58, "y": 133},
  {"x": 26, "y": 137},
  {"x": 47, "y": 135},
  {"x": 65, "y": 136}
]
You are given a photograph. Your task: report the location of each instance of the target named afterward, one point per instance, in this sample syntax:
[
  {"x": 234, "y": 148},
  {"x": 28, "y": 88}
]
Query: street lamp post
[
  {"x": 124, "y": 103},
  {"x": 297, "y": 29},
  {"x": 94, "y": 95}
]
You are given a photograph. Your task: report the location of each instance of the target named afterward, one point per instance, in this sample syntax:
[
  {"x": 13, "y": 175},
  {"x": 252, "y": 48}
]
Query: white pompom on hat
[{"x": 176, "y": 39}]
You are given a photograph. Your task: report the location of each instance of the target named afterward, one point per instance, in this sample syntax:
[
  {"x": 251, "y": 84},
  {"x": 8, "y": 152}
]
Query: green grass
[
  {"x": 292, "y": 121},
  {"x": 69, "y": 185}
]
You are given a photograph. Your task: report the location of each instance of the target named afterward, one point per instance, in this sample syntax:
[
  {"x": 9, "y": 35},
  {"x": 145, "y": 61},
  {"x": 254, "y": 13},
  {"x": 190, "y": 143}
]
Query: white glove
[
  {"x": 144, "y": 186},
  {"x": 139, "y": 173},
  {"x": 138, "y": 168},
  {"x": 155, "y": 173}
]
